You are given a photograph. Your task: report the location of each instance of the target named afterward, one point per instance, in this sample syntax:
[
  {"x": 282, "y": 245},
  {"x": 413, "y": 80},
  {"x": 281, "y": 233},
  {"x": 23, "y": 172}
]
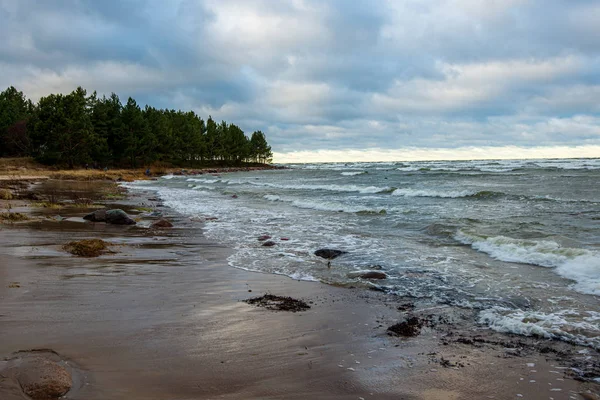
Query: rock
[
  {"x": 285, "y": 239},
  {"x": 263, "y": 238},
  {"x": 118, "y": 217},
  {"x": 269, "y": 243},
  {"x": 589, "y": 396},
  {"x": 162, "y": 223},
  {"x": 43, "y": 379},
  {"x": 329, "y": 254},
  {"x": 368, "y": 275},
  {"x": 96, "y": 216},
  {"x": 235, "y": 196}
]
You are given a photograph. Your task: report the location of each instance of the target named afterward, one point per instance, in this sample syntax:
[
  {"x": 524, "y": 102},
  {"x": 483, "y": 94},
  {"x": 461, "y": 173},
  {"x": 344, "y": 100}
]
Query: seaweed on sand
[
  {"x": 86, "y": 248},
  {"x": 278, "y": 303}
]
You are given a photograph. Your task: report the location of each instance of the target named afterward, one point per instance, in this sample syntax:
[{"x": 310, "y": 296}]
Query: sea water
[{"x": 517, "y": 241}]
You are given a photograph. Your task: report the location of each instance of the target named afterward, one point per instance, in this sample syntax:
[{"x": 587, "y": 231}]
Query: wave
[
  {"x": 579, "y": 265},
  {"x": 558, "y": 325},
  {"x": 326, "y": 206},
  {"x": 332, "y": 188},
  {"x": 354, "y": 173},
  {"x": 481, "y": 194},
  {"x": 203, "y": 180}
]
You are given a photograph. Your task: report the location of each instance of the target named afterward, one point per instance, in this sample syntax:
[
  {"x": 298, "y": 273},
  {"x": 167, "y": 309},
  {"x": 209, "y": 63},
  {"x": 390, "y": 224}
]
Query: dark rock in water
[
  {"x": 96, "y": 216},
  {"x": 329, "y": 254},
  {"x": 368, "y": 275},
  {"x": 269, "y": 243},
  {"x": 409, "y": 328},
  {"x": 235, "y": 196},
  {"x": 278, "y": 303},
  {"x": 43, "y": 379},
  {"x": 162, "y": 223},
  {"x": 263, "y": 238},
  {"x": 285, "y": 239},
  {"x": 118, "y": 217}
]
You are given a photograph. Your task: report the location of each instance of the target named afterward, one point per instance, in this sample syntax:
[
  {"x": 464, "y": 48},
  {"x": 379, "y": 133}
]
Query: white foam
[
  {"x": 579, "y": 265},
  {"x": 562, "y": 324},
  {"x": 333, "y": 188},
  {"x": 353, "y": 173},
  {"x": 272, "y": 197},
  {"x": 433, "y": 193},
  {"x": 203, "y": 180},
  {"x": 321, "y": 205}
]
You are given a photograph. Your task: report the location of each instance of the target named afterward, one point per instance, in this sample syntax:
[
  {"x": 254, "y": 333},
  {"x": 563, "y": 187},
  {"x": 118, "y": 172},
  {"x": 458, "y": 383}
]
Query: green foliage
[
  {"x": 77, "y": 129},
  {"x": 61, "y": 129},
  {"x": 260, "y": 151},
  {"x": 15, "y": 110}
]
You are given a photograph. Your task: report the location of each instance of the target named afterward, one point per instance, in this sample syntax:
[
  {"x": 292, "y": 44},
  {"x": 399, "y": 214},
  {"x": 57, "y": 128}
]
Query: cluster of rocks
[{"x": 120, "y": 217}]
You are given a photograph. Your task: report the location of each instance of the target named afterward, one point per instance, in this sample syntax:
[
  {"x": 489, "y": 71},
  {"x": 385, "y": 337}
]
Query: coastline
[{"x": 164, "y": 318}]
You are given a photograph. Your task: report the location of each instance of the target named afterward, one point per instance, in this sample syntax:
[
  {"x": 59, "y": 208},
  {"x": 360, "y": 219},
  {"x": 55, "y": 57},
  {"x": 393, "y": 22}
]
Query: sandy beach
[{"x": 163, "y": 317}]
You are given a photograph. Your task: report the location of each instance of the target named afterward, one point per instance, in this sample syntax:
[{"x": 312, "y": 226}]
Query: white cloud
[{"x": 421, "y": 154}]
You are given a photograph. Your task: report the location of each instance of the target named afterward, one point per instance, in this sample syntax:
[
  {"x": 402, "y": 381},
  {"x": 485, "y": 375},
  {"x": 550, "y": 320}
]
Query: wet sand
[{"x": 164, "y": 318}]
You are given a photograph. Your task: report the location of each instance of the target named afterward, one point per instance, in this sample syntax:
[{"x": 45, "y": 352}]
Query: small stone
[
  {"x": 43, "y": 379},
  {"x": 162, "y": 223},
  {"x": 269, "y": 243}
]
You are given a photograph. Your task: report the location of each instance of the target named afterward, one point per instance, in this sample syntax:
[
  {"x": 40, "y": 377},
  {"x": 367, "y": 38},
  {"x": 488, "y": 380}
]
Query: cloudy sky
[{"x": 332, "y": 79}]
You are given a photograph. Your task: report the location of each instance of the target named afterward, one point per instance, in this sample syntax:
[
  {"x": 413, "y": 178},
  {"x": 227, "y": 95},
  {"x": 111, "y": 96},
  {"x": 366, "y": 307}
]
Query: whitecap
[
  {"x": 434, "y": 193},
  {"x": 577, "y": 264}
]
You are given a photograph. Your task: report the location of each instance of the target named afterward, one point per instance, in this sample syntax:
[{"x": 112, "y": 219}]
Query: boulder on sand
[
  {"x": 162, "y": 223},
  {"x": 329, "y": 254},
  {"x": 96, "y": 216},
  {"x": 118, "y": 217},
  {"x": 41, "y": 378}
]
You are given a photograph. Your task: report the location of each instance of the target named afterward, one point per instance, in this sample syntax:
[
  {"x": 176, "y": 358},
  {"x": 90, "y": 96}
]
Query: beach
[{"x": 162, "y": 316}]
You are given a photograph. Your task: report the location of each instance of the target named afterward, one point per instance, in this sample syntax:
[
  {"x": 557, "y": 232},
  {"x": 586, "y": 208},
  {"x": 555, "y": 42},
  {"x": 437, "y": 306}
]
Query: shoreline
[{"x": 164, "y": 318}]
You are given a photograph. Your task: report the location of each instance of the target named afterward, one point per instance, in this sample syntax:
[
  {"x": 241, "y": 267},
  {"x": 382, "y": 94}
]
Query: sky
[{"x": 332, "y": 80}]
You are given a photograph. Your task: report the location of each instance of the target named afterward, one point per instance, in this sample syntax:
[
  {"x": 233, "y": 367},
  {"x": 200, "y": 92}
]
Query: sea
[{"x": 516, "y": 241}]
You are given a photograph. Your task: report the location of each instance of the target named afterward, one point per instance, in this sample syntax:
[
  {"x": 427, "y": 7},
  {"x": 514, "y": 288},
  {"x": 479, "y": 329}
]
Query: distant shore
[{"x": 162, "y": 316}]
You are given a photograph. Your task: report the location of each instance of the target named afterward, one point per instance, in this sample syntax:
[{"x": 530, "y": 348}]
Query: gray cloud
[{"x": 328, "y": 75}]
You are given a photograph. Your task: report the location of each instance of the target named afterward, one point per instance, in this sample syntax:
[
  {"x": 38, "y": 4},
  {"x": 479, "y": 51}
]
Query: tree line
[{"x": 80, "y": 129}]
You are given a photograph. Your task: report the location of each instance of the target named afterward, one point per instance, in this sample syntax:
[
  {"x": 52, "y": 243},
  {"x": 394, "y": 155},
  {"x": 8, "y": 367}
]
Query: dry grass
[
  {"x": 27, "y": 168},
  {"x": 47, "y": 204},
  {"x": 125, "y": 175},
  {"x": 13, "y": 217},
  {"x": 87, "y": 247},
  {"x": 6, "y": 194},
  {"x": 15, "y": 164}
]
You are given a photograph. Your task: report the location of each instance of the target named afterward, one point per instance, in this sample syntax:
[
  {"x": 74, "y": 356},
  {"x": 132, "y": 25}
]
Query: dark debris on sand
[
  {"x": 409, "y": 328},
  {"x": 278, "y": 303},
  {"x": 87, "y": 247}
]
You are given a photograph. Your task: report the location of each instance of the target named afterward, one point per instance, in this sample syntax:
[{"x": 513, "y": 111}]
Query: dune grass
[{"x": 13, "y": 217}]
